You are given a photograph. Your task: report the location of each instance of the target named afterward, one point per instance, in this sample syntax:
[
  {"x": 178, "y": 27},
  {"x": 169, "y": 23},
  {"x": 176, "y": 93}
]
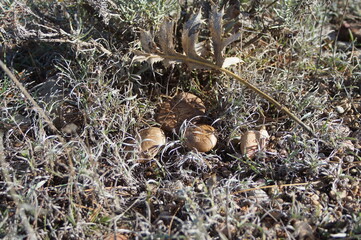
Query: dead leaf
[
  {"x": 231, "y": 61},
  {"x": 145, "y": 57},
  {"x": 190, "y": 35},
  {"x": 147, "y": 41},
  {"x": 216, "y": 28},
  {"x": 191, "y": 47},
  {"x": 190, "y": 39},
  {"x": 166, "y": 40}
]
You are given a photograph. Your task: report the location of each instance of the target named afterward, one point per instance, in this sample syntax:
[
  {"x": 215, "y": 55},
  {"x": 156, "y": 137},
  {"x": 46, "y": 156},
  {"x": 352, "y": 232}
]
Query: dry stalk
[
  {"x": 42, "y": 115},
  {"x": 273, "y": 186}
]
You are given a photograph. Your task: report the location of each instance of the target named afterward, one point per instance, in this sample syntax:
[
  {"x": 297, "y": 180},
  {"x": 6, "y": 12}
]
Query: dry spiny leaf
[
  {"x": 191, "y": 47},
  {"x": 216, "y": 29},
  {"x": 190, "y": 38},
  {"x": 149, "y": 47},
  {"x": 166, "y": 40}
]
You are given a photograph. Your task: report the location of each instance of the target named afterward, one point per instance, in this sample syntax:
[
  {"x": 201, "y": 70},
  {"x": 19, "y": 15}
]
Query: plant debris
[
  {"x": 190, "y": 32},
  {"x": 96, "y": 146}
]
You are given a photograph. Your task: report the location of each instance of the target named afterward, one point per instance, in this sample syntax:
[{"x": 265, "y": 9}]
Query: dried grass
[{"x": 88, "y": 184}]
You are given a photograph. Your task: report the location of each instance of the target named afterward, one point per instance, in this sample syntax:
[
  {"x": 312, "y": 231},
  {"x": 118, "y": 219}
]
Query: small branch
[
  {"x": 80, "y": 43},
  {"x": 29, "y": 97},
  {"x": 41, "y": 113}
]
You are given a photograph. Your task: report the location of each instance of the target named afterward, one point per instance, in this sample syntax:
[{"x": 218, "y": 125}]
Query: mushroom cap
[
  {"x": 252, "y": 141},
  {"x": 173, "y": 112},
  {"x": 117, "y": 236},
  {"x": 200, "y": 137},
  {"x": 151, "y": 139}
]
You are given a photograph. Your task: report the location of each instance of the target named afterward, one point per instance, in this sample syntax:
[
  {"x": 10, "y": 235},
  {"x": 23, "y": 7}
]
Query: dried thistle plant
[{"x": 166, "y": 51}]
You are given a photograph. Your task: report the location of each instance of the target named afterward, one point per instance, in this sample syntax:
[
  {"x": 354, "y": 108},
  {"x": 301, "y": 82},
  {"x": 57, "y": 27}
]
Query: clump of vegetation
[{"x": 77, "y": 154}]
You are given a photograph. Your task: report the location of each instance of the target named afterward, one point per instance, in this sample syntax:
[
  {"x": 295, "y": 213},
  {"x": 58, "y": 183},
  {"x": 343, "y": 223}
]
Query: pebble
[
  {"x": 314, "y": 197},
  {"x": 349, "y": 158},
  {"x": 343, "y": 194},
  {"x": 70, "y": 128},
  {"x": 349, "y": 198},
  {"x": 336, "y": 159},
  {"x": 353, "y": 171},
  {"x": 340, "y": 109},
  {"x": 332, "y": 194},
  {"x": 347, "y": 145}
]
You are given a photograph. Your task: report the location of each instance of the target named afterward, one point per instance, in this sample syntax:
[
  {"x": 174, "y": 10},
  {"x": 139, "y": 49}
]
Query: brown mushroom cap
[
  {"x": 172, "y": 113},
  {"x": 117, "y": 236},
  {"x": 200, "y": 137},
  {"x": 252, "y": 141},
  {"x": 151, "y": 139}
]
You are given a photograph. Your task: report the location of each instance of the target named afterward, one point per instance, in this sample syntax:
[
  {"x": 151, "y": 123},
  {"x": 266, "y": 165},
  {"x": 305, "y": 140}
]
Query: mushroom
[
  {"x": 253, "y": 141},
  {"x": 172, "y": 112},
  {"x": 151, "y": 139},
  {"x": 200, "y": 137},
  {"x": 116, "y": 236}
]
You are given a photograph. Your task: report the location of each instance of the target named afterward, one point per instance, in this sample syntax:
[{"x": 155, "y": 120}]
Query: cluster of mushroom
[{"x": 171, "y": 115}]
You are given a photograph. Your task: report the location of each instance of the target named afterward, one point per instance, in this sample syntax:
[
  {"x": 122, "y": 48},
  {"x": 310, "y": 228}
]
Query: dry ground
[{"x": 83, "y": 180}]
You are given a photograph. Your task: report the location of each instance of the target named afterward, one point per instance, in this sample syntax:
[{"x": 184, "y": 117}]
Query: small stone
[
  {"x": 283, "y": 153},
  {"x": 340, "y": 130},
  {"x": 332, "y": 194},
  {"x": 276, "y": 214},
  {"x": 343, "y": 194},
  {"x": 116, "y": 236},
  {"x": 340, "y": 109},
  {"x": 228, "y": 230},
  {"x": 199, "y": 187},
  {"x": 338, "y": 214},
  {"x": 316, "y": 203},
  {"x": 259, "y": 195},
  {"x": 336, "y": 159},
  {"x": 70, "y": 128},
  {"x": 347, "y": 120},
  {"x": 338, "y": 235},
  {"x": 225, "y": 172},
  {"x": 315, "y": 197},
  {"x": 349, "y": 198},
  {"x": 349, "y": 159},
  {"x": 347, "y": 145},
  {"x": 38, "y": 149},
  {"x": 357, "y": 135}
]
